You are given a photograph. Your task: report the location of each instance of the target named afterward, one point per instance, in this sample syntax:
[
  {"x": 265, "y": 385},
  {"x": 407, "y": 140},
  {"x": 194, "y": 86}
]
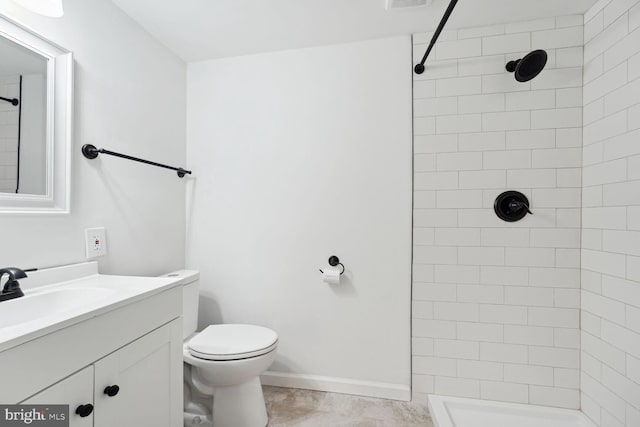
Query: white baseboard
[{"x": 338, "y": 385}]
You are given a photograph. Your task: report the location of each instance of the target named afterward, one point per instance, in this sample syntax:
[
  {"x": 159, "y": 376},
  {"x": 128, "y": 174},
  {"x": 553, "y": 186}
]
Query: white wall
[
  {"x": 496, "y": 304},
  {"x": 129, "y": 97},
  {"x": 301, "y": 155},
  {"x": 611, "y": 215}
]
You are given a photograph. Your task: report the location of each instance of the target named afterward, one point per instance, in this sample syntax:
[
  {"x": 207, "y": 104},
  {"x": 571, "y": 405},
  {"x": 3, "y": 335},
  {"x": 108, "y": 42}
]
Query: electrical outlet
[{"x": 96, "y": 242}]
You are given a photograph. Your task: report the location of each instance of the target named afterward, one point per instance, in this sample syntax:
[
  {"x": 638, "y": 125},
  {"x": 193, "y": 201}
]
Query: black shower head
[{"x": 529, "y": 67}]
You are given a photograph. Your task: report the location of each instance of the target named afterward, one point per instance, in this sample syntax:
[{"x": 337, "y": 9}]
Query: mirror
[
  {"x": 35, "y": 122},
  {"x": 23, "y": 103}
]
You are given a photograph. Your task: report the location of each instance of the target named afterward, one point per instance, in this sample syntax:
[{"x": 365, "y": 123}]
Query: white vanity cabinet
[
  {"x": 74, "y": 391},
  {"x": 142, "y": 371},
  {"x": 136, "y": 347}
]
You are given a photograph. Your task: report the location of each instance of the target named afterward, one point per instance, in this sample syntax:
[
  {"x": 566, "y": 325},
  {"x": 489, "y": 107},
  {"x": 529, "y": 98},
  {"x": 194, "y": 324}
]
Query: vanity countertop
[{"x": 60, "y": 297}]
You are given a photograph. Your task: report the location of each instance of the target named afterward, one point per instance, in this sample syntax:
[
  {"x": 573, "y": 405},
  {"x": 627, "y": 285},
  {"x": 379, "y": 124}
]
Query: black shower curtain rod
[
  {"x": 419, "y": 68},
  {"x": 91, "y": 152},
  {"x": 13, "y": 101}
]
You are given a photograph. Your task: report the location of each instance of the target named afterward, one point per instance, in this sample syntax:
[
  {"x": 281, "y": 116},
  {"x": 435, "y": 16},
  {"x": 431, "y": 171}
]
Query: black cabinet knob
[
  {"x": 111, "y": 390},
  {"x": 84, "y": 410}
]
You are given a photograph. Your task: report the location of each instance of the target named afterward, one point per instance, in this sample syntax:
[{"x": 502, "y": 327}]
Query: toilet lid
[{"x": 231, "y": 342}]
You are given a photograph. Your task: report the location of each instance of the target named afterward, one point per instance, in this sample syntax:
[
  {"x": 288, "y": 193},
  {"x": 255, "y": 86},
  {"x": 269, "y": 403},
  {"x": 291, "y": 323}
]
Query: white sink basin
[
  {"x": 49, "y": 303},
  {"x": 62, "y": 296}
]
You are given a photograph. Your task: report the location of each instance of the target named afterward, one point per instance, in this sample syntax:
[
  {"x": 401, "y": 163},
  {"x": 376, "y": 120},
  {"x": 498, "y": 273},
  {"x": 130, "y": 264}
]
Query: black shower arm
[{"x": 419, "y": 68}]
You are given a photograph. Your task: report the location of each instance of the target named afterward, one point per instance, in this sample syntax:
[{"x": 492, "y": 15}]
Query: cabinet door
[
  {"x": 74, "y": 391},
  {"x": 148, "y": 376}
]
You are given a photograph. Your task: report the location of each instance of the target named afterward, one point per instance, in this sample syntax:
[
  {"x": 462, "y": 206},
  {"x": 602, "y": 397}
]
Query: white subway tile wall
[
  {"x": 9, "y": 88},
  {"x": 496, "y": 304},
  {"x": 610, "y": 300}
]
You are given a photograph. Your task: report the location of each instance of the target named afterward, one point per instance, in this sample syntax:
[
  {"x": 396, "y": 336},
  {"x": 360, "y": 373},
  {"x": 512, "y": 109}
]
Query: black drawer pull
[
  {"x": 111, "y": 390},
  {"x": 84, "y": 410}
]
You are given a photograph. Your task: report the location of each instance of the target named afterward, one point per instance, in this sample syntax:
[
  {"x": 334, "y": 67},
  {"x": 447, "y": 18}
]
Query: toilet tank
[{"x": 190, "y": 281}]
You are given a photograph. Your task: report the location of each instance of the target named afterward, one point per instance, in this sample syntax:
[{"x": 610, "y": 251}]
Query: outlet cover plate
[{"x": 95, "y": 242}]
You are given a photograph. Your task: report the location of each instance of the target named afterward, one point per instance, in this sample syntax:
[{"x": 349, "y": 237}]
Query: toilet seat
[{"x": 232, "y": 342}]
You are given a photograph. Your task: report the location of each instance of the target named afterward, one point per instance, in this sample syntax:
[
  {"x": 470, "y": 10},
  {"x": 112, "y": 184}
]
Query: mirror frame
[{"x": 59, "y": 125}]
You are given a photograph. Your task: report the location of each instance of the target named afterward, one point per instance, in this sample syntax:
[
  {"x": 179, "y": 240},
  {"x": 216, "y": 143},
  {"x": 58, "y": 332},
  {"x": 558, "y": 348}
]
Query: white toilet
[{"x": 222, "y": 367}]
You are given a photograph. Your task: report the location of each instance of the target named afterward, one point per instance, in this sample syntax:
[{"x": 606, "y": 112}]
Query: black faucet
[{"x": 12, "y": 289}]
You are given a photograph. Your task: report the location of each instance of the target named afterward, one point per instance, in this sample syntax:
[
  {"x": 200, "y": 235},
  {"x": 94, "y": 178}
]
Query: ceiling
[{"x": 205, "y": 29}]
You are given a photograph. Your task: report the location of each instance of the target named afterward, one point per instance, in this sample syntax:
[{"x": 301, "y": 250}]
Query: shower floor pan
[{"x": 457, "y": 412}]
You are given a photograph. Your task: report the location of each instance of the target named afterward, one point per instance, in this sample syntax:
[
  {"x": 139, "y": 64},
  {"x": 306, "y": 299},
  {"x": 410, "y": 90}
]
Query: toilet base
[
  {"x": 240, "y": 405},
  {"x": 230, "y": 389}
]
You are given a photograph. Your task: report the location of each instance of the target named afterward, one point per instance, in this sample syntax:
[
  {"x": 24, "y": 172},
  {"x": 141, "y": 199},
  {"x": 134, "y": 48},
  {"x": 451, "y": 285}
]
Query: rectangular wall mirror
[{"x": 35, "y": 122}]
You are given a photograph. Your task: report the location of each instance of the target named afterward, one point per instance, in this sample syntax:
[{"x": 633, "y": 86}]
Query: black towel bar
[{"x": 91, "y": 152}]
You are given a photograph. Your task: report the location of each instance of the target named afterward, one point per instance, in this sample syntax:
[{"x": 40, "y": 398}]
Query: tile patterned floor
[{"x": 289, "y": 407}]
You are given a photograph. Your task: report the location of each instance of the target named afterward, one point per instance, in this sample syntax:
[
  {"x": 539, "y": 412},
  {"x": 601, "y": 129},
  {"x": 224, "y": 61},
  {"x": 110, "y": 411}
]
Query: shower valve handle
[{"x": 516, "y": 206}]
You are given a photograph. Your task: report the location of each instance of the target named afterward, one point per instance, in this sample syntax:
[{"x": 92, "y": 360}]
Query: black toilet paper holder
[{"x": 334, "y": 261}]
